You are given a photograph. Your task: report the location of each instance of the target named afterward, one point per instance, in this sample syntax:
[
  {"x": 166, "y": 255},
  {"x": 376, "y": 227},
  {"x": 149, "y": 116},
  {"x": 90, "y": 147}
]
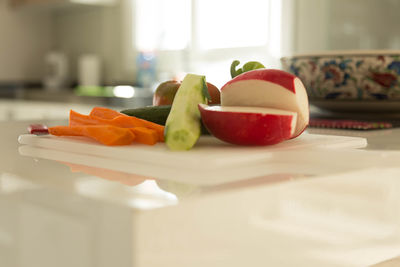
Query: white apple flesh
[
  {"x": 250, "y": 126},
  {"x": 269, "y": 88}
]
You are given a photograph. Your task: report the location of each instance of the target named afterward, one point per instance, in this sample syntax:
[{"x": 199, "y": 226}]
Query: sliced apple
[
  {"x": 166, "y": 91},
  {"x": 248, "y": 125},
  {"x": 269, "y": 88}
]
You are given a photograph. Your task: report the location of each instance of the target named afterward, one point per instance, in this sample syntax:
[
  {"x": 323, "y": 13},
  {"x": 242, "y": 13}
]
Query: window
[
  {"x": 162, "y": 25},
  {"x": 226, "y": 24},
  {"x": 205, "y": 36}
]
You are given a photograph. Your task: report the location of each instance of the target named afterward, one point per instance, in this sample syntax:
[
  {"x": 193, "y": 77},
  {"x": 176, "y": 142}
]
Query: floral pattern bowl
[{"x": 352, "y": 76}]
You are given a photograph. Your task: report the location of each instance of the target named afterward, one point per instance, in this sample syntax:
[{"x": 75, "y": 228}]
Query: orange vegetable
[
  {"x": 145, "y": 135},
  {"x": 105, "y": 134},
  {"x": 66, "y": 130},
  {"x": 76, "y": 119},
  {"x": 130, "y": 122},
  {"x": 105, "y": 113},
  {"x": 124, "y": 121},
  {"x": 110, "y": 127}
]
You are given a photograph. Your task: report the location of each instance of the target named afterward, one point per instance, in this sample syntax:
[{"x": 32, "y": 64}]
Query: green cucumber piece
[
  {"x": 156, "y": 114},
  {"x": 183, "y": 125}
]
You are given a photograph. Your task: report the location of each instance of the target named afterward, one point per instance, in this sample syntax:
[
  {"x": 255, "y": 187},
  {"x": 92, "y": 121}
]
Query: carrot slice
[
  {"x": 145, "y": 135},
  {"x": 124, "y": 121},
  {"x": 105, "y": 134},
  {"x": 110, "y": 135},
  {"x": 78, "y": 119},
  {"x": 130, "y": 122},
  {"x": 66, "y": 131},
  {"x": 105, "y": 113}
]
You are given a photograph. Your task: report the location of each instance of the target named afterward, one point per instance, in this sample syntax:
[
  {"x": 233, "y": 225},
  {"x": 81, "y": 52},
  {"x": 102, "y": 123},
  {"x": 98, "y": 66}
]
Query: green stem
[
  {"x": 251, "y": 65},
  {"x": 235, "y": 72}
]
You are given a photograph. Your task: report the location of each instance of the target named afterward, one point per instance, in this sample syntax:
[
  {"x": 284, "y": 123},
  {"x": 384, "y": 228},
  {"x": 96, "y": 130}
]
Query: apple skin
[
  {"x": 215, "y": 94},
  {"x": 282, "y": 78},
  {"x": 239, "y": 126},
  {"x": 165, "y": 93},
  {"x": 269, "y": 88}
]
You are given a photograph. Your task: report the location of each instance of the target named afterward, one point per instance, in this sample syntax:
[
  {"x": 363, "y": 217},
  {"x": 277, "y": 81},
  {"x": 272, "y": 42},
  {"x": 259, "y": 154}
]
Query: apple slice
[
  {"x": 251, "y": 126},
  {"x": 269, "y": 88}
]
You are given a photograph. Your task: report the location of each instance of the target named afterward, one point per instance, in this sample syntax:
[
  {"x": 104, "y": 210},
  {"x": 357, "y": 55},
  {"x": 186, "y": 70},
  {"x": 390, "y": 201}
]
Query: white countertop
[{"x": 51, "y": 216}]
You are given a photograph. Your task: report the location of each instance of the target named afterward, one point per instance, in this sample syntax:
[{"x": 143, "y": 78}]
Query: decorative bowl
[{"x": 352, "y": 80}]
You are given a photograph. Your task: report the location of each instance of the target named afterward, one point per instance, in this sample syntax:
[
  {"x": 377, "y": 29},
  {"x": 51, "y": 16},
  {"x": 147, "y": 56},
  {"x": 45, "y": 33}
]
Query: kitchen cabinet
[
  {"x": 60, "y": 3},
  {"x": 27, "y": 2}
]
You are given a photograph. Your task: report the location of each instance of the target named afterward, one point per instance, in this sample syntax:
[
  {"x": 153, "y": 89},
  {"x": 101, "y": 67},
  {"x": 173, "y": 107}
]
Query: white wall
[
  {"x": 310, "y": 29},
  {"x": 94, "y": 30},
  {"x": 365, "y": 24},
  {"x": 24, "y": 39},
  {"x": 346, "y": 25},
  {"x": 26, "y": 35}
]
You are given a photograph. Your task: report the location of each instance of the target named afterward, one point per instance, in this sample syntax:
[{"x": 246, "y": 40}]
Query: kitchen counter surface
[
  {"x": 142, "y": 97},
  {"x": 55, "y": 214}
]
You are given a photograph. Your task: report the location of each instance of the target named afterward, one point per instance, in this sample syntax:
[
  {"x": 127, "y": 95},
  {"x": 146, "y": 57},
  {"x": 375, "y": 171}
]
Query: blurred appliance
[
  {"x": 89, "y": 70},
  {"x": 56, "y": 71}
]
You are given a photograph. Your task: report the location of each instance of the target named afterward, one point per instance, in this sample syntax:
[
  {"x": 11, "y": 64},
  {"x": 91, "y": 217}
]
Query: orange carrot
[
  {"x": 105, "y": 113},
  {"x": 124, "y": 121},
  {"x": 105, "y": 134},
  {"x": 66, "y": 131},
  {"x": 130, "y": 122},
  {"x": 76, "y": 119},
  {"x": 145, "y": 135}
]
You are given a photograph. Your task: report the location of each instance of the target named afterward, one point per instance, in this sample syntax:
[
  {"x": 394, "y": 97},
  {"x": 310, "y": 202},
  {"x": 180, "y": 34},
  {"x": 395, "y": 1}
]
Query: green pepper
[{"x": 251, "y": 65}]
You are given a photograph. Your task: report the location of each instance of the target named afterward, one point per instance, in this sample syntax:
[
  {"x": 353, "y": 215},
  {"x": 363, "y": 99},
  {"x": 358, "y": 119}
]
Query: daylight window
[
  {"x": 225, "y": 24},
  {"x": 206, "y": 34},
  {"x": 162, "y": 25}
]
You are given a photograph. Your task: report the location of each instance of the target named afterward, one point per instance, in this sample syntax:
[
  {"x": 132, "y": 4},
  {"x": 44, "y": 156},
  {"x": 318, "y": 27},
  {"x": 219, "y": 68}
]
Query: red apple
[
  {"x": 215, "y": 94},
  {"x": 249, "y": 126},
  {"x": 269, "y": 88},
  {"x": 165, "y": 93}
]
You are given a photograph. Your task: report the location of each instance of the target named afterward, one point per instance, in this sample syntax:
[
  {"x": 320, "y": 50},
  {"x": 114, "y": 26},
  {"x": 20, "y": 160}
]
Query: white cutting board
[{"x": 209, "y": 161}]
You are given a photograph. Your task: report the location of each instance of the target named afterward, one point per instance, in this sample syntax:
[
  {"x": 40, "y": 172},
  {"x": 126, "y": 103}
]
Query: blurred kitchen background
[{"x": 62, "y": 54}]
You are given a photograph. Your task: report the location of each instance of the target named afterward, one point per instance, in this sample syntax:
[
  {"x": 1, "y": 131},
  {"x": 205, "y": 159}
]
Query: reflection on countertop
[
  {"x": 52, "y": 214},
  {"x": 49, "y": 105}
]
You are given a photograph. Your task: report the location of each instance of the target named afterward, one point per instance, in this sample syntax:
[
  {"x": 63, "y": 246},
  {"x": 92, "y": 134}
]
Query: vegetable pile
[
  {"x": 111, "y": 128},
  {"x": 258, "y": 106}
]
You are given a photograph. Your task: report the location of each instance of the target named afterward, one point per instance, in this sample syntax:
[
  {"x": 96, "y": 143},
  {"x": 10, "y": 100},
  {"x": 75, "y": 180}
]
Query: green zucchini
[
  {"x": 183, "y": 126},
  {"x": 156, "y": 114}
]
